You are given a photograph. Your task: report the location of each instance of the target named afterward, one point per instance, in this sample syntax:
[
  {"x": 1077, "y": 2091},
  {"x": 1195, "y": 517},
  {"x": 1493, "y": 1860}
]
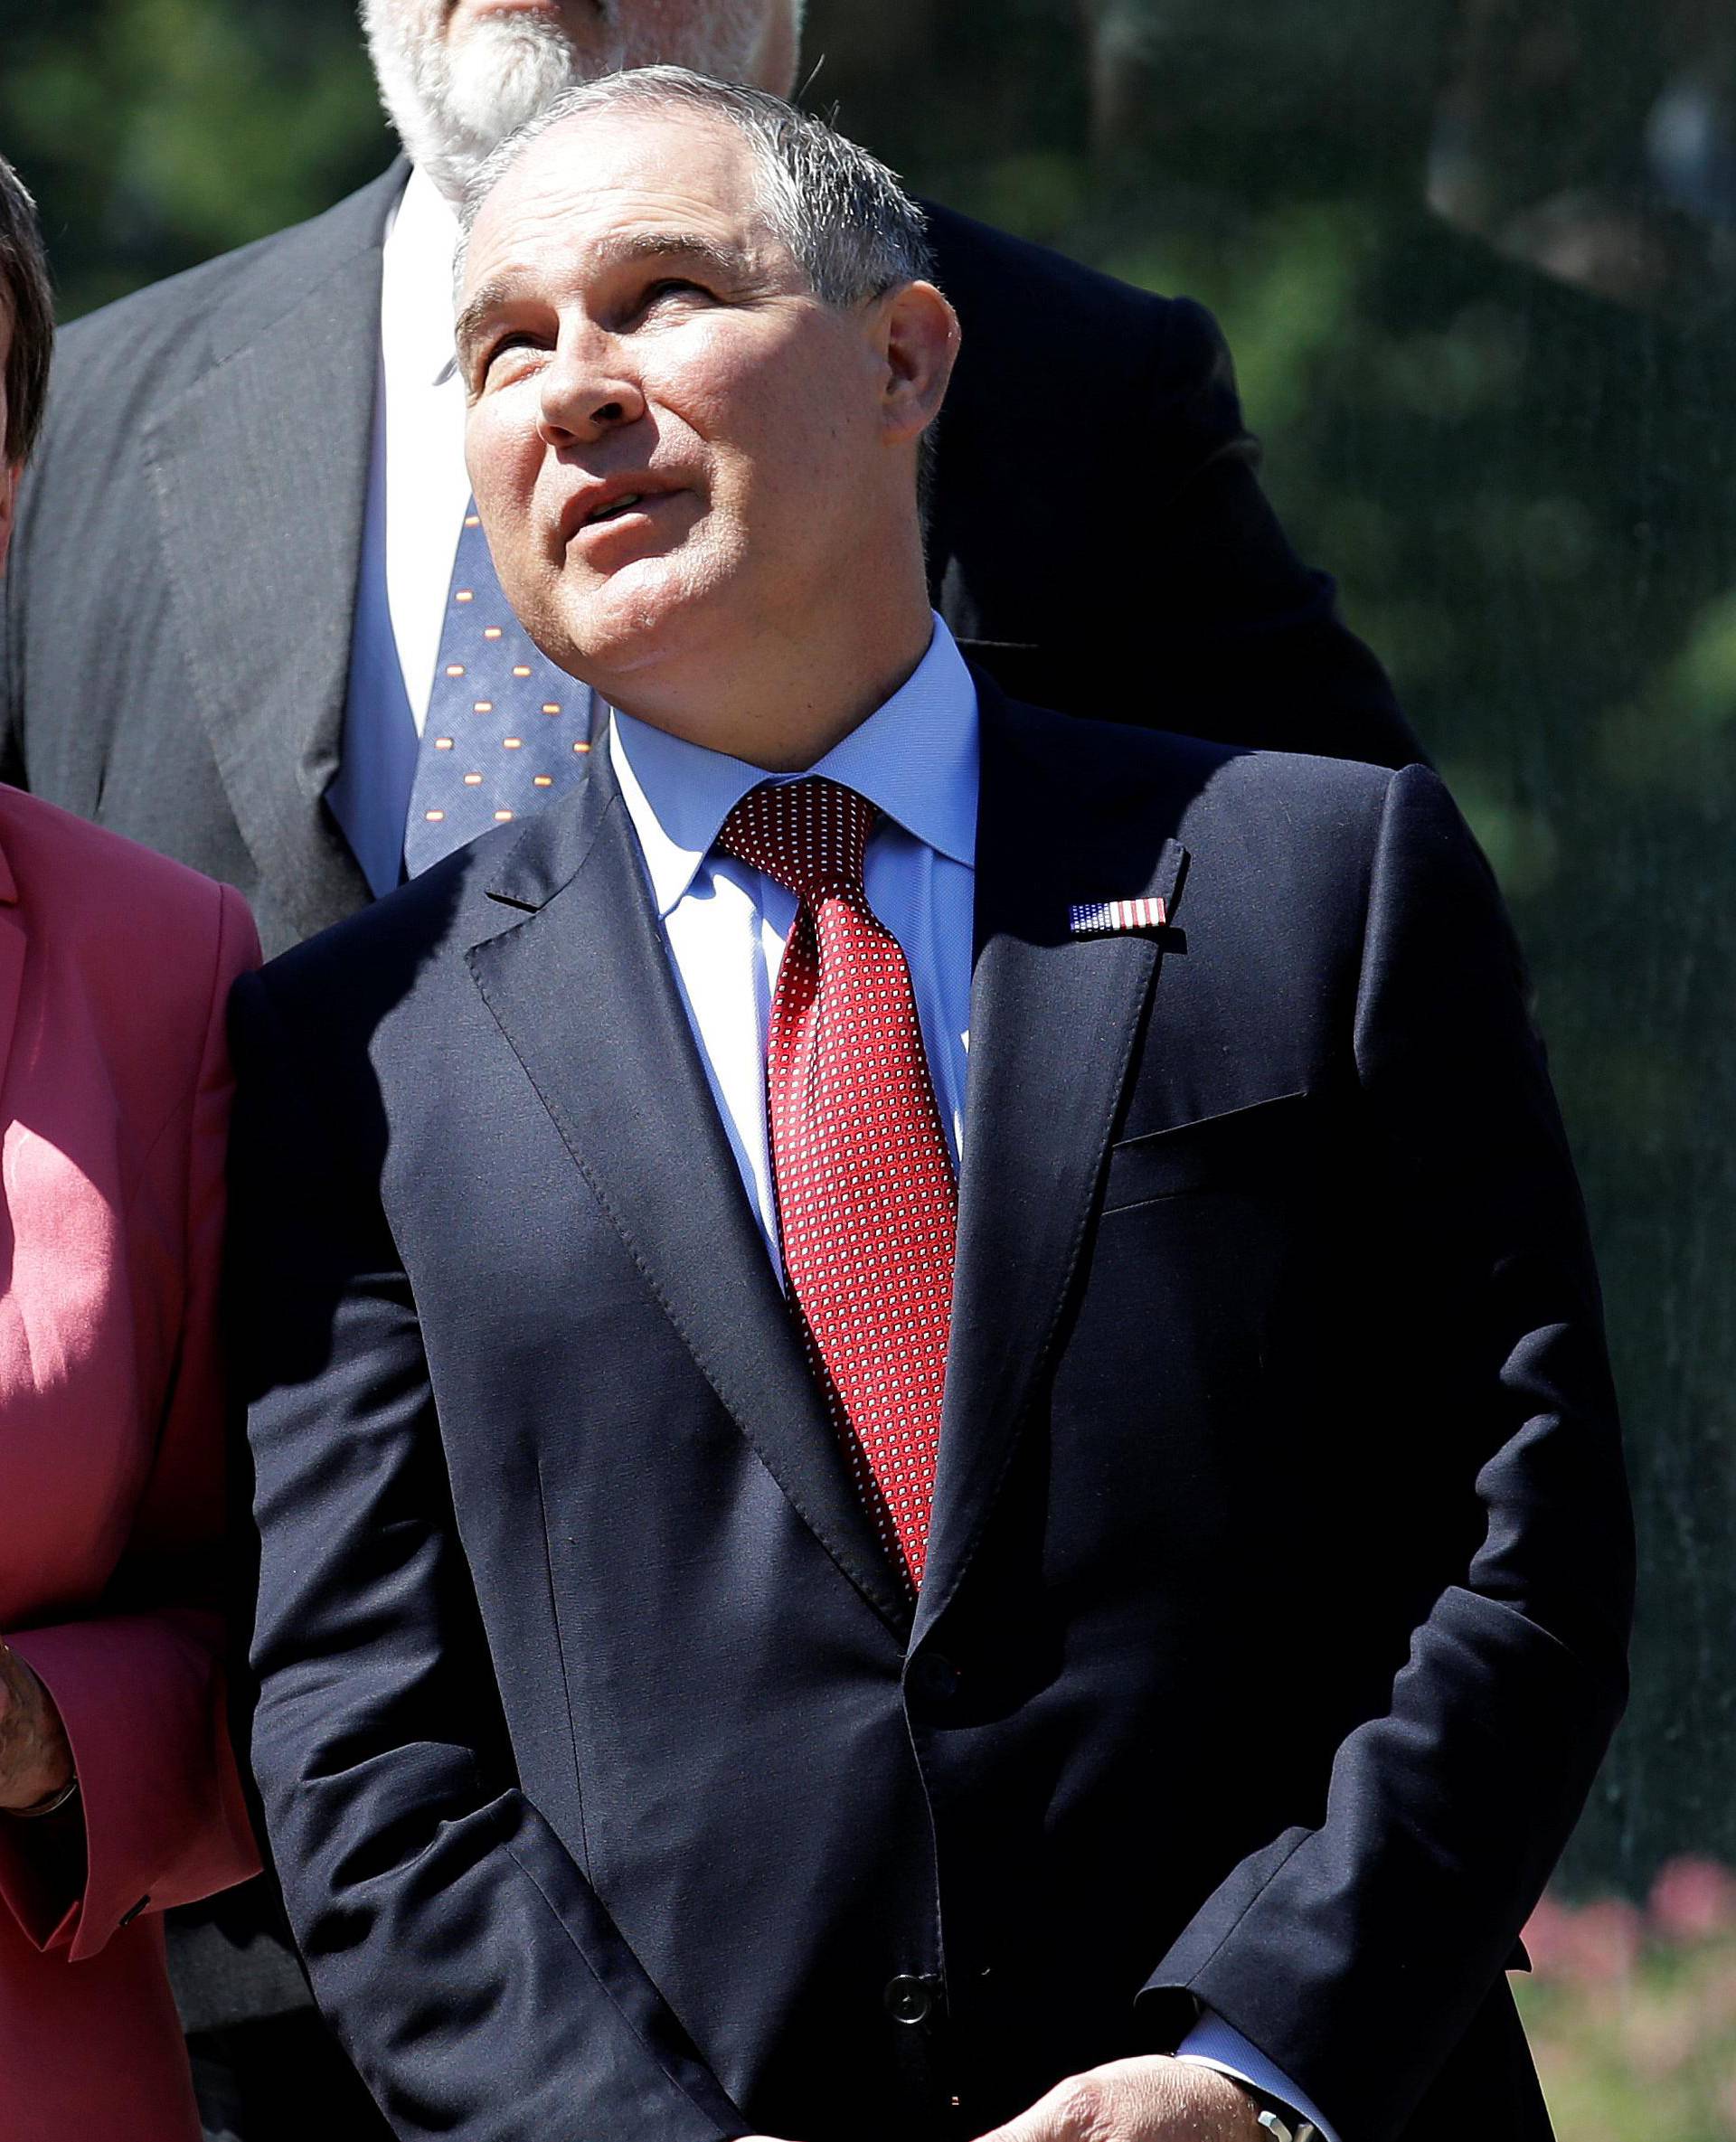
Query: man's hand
[
  {"x": 35, "y": 1761},
  {"x": 1152, "y": 2100}
]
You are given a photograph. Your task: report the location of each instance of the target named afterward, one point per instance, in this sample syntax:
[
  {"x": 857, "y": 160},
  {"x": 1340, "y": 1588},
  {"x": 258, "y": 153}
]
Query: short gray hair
[{"x": 848, "y": 223}]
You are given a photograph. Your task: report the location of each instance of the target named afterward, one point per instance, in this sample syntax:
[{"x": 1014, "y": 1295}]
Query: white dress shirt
[
  {"x": 426, "y": 486},
  {"x": 917, "y": 758},
  {"x": 418, "y": 491}
]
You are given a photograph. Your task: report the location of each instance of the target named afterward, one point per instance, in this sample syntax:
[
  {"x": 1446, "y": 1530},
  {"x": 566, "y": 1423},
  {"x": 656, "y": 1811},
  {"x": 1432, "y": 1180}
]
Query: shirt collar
[
  {"x": 421, "y": 244},
  {"x": 915, "y": 758}
]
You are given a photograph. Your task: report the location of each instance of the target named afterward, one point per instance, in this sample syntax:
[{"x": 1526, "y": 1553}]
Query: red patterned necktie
[{"x": 867, "y": 1203}]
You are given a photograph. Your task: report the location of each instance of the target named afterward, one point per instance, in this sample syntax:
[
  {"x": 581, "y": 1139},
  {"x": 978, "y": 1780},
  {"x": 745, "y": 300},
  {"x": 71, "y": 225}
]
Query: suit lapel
[
  {"x": 580, "y": 982},
  {"x": 260, "y": 474},
  {"x": 1055, "y": 1026}
]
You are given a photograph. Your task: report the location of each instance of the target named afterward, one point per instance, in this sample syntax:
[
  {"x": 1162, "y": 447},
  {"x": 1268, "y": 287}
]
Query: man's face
[
  {"x": 458, "y": 75},
  {"x": 675, "y": 447}
]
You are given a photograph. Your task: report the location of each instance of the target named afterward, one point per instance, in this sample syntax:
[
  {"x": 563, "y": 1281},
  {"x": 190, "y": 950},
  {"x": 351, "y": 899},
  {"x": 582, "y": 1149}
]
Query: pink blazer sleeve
[{"x": 141, "y": 1688}]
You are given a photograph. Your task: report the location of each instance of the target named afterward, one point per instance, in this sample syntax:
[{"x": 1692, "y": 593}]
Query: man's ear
[{"x": 919, "y": 342}]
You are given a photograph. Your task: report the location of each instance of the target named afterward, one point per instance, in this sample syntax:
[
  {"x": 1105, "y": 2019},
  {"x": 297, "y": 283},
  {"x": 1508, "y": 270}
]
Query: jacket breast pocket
[{"x": 1251, "y": 1147}]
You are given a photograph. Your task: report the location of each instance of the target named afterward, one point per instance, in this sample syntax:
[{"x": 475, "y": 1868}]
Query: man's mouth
[
  {"x": 487, "y": 7},
  {"x": 606, "y": 502},
  {"x": 615, "y": 507}
]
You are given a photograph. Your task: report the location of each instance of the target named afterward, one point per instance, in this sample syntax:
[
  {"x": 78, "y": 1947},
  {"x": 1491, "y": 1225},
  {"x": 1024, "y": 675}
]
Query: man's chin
[{"x": 622, "y": 650}]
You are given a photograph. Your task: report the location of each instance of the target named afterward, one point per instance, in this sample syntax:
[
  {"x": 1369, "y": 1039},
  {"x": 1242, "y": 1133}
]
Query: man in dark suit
[
  {"x": 801, "y": 1592},
  {"x": 223, "y": 620}
]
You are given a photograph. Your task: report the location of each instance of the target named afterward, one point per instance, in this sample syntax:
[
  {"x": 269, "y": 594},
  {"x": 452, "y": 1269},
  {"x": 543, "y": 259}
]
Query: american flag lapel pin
[
  {"x": 1153, "y": 909},
  {"x": 1109, "y": 918}
]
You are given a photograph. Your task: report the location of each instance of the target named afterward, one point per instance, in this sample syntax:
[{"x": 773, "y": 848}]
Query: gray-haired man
[{"x": 761, "y": 1622}]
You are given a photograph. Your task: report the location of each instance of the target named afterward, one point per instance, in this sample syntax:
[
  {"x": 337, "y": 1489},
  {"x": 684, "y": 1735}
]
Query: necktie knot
[{"x": 810, "y": 836}]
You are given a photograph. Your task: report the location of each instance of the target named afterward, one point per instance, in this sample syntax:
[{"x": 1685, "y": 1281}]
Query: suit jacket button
[
  {"x": 909, "y": 1999},
  {"x": 934, "y": 1677}
]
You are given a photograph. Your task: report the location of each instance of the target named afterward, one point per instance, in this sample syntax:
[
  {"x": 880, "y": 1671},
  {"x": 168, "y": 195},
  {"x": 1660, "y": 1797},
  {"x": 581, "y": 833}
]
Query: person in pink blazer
[{"x": 118, "y": 1792}]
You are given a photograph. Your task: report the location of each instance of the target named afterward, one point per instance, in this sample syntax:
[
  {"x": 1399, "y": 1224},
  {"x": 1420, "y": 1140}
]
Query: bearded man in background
[
  {"x": 252, "y": 620},
  {"x": 457, "y": 79}
]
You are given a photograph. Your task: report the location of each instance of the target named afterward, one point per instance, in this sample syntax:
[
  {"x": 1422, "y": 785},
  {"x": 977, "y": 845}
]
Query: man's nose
[{"x": 586, "y": 392}]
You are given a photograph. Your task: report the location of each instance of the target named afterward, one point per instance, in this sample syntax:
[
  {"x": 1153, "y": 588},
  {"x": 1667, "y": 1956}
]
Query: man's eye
[
  {"x": 518, "y": 340},
  {"x": 674, "y": 286}
]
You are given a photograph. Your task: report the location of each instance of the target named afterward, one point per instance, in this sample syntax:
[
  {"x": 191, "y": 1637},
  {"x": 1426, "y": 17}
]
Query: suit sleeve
[
  {"x": 1355, "y": 1954},
  {"x": 458, "y": 1950},
  {"x": 139, "y": 1683}
]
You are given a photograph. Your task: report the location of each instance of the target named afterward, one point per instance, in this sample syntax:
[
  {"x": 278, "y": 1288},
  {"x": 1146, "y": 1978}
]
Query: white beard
[{"x": 453, "y": 105}]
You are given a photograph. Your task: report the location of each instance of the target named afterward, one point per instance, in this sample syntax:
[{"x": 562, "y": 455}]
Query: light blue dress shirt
[
  {"x": 917, "y": 758},
  {"x": 725, "y": 924}
]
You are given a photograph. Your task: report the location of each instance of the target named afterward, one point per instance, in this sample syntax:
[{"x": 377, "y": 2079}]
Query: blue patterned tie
[{"x": 506, "y": 731}]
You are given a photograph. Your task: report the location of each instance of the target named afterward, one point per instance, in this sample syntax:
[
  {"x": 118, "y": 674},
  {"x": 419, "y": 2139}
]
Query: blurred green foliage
[
  {"x": 1631, "y": 2013},
  {"x": 1480, "y": 295},
  {"x": 158, "y": 132}
]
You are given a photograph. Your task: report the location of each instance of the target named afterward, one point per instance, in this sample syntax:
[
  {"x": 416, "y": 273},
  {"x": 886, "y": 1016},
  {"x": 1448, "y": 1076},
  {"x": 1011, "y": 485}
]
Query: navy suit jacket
[{"x": 1277, "y": 1590}]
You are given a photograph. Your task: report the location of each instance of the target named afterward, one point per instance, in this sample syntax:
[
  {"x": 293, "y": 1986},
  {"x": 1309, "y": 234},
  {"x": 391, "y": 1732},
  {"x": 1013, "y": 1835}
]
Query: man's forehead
[{"x": 601, "y": 184}]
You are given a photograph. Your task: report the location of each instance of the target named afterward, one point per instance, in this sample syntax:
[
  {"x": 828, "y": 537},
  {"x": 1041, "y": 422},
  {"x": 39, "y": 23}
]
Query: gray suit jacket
[{"x": 179, "y": 603}]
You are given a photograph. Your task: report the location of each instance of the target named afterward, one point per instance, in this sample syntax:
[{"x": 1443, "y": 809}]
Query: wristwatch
[
  {"x": 1285, "y": 2126},
  {"x": 1273, "y": 2116}
]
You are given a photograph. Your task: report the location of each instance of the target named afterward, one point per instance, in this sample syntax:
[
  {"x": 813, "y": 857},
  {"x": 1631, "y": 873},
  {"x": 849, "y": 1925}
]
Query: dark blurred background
[{"x": 1478, "y": 262}]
